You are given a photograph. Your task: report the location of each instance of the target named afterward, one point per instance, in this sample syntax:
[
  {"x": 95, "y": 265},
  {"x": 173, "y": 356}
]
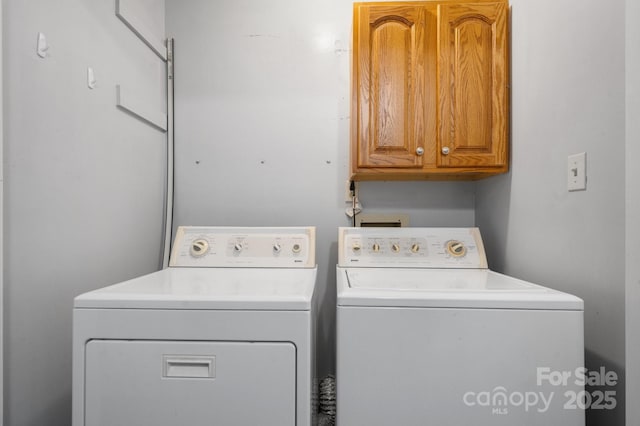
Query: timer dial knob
[
  {"x": 297, "y": 248},
  {"x": 199, "y": 247},
  {"x": 456, "y": 248}
]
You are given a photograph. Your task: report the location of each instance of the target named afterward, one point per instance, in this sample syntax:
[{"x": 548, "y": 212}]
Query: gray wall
[
  {"x": 84, "y": 186},
  {"x": 568, "y": 96},
  {"x": 633, "y": 210},
  {"x": 262, "y": 127},
  {"x": 1, "y": 223}
]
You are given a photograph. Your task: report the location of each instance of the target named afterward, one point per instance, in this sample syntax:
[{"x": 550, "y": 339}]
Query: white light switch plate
[{"x": 577, "y": 172}]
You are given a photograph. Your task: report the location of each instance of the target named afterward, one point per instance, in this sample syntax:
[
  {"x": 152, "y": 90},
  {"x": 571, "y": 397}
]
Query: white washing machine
[
  {"x": 224, "y": 336},
  {"x": 427, "y": 335}
]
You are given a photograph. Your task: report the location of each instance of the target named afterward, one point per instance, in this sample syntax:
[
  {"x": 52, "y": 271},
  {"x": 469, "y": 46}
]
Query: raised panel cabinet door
[
  {"x": 389, "y": 85},
  {"x": 473, "y": 85}
]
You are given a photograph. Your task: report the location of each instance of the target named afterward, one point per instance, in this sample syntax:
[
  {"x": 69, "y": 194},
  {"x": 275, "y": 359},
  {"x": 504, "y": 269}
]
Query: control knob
[
  {"x": 415, "y": 247},
  {"x": 456, "y": 248},
  {"x": 375, "y": 247},
  {"x": 277, "y": 247},
  {"x": 395, "y": 248},
  {"x": 199, "y": 247}
]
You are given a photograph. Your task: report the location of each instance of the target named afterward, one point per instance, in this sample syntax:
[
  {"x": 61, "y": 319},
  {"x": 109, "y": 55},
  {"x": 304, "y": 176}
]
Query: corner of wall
[{"x": 632, "y": 212}]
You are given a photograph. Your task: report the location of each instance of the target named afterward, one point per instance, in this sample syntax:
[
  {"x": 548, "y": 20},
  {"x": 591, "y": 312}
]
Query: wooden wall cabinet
[{"x": 430, "y": 96}]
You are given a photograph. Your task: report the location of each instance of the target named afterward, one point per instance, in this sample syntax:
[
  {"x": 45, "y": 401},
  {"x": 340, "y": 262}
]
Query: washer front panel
[{"x": 445, "y": 367}]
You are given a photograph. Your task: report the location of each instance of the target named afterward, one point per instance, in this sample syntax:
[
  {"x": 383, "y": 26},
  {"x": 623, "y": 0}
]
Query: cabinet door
[
  {"x": 390, "y": 85},
  {"x": 473, "y": 103}
]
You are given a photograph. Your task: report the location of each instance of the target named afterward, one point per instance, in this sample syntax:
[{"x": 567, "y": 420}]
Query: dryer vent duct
[
  {"x": 327, "y": 401},
  {"x": 382, "y": 220}
]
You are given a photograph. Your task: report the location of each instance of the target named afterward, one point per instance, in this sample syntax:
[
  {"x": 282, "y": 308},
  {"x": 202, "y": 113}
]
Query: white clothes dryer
[
  {"x": 427, "y": 335},
  {"x": 224, "y": 336}
]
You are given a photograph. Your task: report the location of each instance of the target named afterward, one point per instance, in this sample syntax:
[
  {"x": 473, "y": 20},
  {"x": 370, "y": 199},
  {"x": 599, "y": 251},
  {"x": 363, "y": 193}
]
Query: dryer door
[{"x": 189, "y": 383}]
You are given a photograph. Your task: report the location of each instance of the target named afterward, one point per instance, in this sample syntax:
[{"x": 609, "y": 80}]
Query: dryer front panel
[{"x": 168, "y": 383}]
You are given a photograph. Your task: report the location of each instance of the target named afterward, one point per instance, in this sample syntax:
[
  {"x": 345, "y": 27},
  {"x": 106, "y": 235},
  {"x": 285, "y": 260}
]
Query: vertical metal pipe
[{"x": 168, "y": 215}]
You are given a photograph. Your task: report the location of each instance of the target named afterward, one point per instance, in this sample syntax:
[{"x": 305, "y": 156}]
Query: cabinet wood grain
[
  {"x": 429, "y": 90},
  {"x": 473, "y": 105}
]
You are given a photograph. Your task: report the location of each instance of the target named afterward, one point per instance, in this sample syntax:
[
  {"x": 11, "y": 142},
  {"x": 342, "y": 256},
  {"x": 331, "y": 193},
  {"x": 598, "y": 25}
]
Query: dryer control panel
[
  {"x": 214, "y": 247},
  {"x": 411, "y": 248}
]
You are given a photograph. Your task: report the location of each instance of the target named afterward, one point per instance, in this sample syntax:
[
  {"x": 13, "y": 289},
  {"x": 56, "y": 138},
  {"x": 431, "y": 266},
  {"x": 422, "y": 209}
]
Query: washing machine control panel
[
  {"x": 411, "y": 248},
  {"x": 211, "y": 247}
]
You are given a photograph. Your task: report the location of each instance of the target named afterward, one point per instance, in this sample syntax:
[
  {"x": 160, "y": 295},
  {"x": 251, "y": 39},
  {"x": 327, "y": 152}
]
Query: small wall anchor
[
  {"x": 91, "y": 78},
  {"x": 42, "y": 46}
]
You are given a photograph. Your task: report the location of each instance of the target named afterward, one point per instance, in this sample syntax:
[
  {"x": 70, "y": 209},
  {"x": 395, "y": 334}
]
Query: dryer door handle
[{"x": 186, "y": 366}]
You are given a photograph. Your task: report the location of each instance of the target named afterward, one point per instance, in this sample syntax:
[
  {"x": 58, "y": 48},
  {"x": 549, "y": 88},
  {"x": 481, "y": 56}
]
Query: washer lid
[
  {"x": 446, "y": 288},
  {"x": 209, "y": 288}
]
